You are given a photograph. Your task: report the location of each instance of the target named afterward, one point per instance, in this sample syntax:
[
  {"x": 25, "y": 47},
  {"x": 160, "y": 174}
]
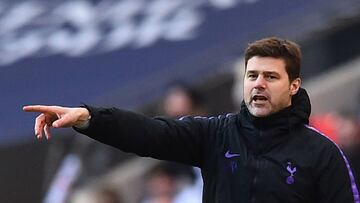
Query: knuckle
[{"x": 41, "y": 116}]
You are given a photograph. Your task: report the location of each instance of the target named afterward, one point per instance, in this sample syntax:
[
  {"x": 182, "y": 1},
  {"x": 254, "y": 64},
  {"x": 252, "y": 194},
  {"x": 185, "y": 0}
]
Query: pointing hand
[{"x": 57, "y": 117}]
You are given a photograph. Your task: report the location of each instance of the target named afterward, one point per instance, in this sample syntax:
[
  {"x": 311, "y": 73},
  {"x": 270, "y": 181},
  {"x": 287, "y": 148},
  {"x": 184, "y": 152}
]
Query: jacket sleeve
[
  {"x": 183, "y": 140},
  {"x": 336, "y": 181}
]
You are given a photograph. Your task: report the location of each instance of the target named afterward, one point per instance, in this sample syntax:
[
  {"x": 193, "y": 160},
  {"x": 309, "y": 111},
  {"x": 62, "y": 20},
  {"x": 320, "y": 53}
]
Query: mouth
[{"x": 259, "y": 99}]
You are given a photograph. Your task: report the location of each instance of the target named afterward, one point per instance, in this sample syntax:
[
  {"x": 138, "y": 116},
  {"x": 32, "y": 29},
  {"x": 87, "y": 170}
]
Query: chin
[{"x": 259, "y": 113}]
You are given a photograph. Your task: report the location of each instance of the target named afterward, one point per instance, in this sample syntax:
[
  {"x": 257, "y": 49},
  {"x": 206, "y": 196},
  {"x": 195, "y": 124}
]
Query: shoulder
[
  {"x": 316, "y": 135},
  {"x": 216, "y": 124},
  {"x": 220, "y": 119},
  {"x": 319, "y": 142}
]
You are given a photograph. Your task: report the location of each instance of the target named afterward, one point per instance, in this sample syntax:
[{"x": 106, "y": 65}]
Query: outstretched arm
[
  {"x": 57, "y": 117},
  {"x": 185, "y": 140}
]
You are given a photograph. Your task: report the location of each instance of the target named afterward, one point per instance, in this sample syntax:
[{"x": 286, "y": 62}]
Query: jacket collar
[
  {"x": 264, "y": 132},
  {"x": 297, "y": 113}
]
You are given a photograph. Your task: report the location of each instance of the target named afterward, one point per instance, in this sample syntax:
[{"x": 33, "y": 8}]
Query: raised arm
[{"x": 57, "y": 117}]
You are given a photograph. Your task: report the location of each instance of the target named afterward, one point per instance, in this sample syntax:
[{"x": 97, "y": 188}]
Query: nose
[{"x": 260, "y": 82}]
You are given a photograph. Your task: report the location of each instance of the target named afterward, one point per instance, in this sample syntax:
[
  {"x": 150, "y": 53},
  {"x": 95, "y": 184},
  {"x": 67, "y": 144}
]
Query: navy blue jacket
[{"x": 243, "y": 158}]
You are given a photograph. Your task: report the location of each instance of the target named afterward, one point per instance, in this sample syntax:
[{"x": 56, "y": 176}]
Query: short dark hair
[{"x": 277, "y": 48}]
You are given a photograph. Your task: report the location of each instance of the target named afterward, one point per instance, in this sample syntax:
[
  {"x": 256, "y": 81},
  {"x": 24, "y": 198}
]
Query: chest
[{"x": 283, "y": 173}]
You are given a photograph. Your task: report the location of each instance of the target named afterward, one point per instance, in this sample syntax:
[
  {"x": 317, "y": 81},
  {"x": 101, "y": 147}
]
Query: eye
[
  {"x": 252, "y": 76},
  {"x": 272, "y": 77}
]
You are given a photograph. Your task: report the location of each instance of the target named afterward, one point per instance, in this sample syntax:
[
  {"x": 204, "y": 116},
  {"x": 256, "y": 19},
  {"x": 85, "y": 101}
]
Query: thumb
[
  {"x": 62, "y": 122},
  {"x": 57, "y": 123}
]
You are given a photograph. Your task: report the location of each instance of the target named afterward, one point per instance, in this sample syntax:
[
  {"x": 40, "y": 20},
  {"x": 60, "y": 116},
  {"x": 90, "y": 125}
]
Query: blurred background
[{"x": 157, "y": 57}]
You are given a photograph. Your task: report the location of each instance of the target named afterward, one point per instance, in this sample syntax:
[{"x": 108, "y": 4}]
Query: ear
[{"x": 294, "y": 86}]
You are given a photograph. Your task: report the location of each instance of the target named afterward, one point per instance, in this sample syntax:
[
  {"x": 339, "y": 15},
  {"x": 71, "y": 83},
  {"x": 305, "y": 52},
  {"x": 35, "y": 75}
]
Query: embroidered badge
[{"x": 292, "y": 170}]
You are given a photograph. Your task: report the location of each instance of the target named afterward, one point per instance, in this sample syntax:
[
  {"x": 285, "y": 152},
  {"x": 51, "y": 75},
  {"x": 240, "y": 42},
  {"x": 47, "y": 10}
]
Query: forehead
[{"x": 266, "y": 64}]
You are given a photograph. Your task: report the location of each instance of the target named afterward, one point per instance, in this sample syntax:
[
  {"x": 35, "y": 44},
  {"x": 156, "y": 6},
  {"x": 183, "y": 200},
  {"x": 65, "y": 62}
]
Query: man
[{"x": 265, "y": 153}]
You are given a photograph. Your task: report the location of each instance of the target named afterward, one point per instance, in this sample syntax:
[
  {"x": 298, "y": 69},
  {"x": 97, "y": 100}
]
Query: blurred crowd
[{"x": 171, "y": 182}]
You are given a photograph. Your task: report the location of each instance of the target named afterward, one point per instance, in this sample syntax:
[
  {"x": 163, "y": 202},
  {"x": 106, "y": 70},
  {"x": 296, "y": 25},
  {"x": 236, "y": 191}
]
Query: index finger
[{"x": 41, "y": 108}]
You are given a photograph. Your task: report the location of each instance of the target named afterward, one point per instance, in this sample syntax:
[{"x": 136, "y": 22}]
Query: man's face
[{"x": 266, "y": 86}]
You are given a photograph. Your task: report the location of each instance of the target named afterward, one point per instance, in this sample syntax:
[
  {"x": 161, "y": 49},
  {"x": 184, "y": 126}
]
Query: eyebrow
[{"x": 265, "y": 72}]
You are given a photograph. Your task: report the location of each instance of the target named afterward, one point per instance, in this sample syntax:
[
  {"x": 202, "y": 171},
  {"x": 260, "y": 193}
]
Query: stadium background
[{"x": 126, "y": 53}]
